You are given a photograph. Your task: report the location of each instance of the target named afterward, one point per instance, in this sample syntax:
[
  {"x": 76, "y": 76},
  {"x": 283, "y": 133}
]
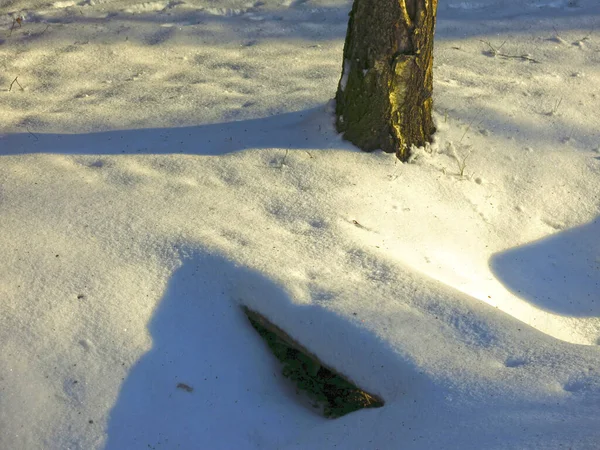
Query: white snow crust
[{"x": 163, "y": 163}]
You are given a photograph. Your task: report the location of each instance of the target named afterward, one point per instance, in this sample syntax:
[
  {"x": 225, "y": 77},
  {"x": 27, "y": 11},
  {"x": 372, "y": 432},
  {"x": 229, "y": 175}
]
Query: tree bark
[{"x": 384, "y": 95}]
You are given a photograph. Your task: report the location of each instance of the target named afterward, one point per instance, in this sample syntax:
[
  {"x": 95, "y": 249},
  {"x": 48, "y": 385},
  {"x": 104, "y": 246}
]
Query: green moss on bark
[
  {"x": 384, "y": 95},
  {"x": 330, "y": 391}
]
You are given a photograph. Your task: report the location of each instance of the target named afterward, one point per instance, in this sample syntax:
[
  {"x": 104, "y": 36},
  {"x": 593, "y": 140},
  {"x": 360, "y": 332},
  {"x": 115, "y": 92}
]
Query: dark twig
[
  {"x": 282, "y": 163},
  {"x": 556, "y": 32},
  {"x": 16, "y": 21},
  {"x": 13, "y": 82},
  {"x": 284, "y": 157},
  {"x": 470, "y": 124},
  {"x": 496, "y": 52},
  {"x": 31, "y": 133}
]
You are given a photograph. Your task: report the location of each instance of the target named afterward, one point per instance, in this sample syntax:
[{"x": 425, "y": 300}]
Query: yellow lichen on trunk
[
  {"x": 399, "y": 89},
  {"x": 384, "y": 96}
]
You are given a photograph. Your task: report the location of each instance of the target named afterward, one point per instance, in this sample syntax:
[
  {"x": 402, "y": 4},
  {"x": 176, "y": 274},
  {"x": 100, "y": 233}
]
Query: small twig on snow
[
  {"x": 355, "y": 222},
  {"x": 462, "y": 162},
  {"x": 587, "y": 36},
  {"x": 557, "y": 35},
  {"x": 282, "y": 163},
  {"x": 31, "y": 133},
  {"x": 554, "y": 109},
  {"x": 469, "y": 126},
  {"x": 13, "y": 82},
  {"x": 496, "y": 52},
  {"x": 16, "y": 21}
]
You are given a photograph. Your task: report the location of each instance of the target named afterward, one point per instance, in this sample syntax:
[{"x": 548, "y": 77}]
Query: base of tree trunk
[{"x": 384, "y": 97}]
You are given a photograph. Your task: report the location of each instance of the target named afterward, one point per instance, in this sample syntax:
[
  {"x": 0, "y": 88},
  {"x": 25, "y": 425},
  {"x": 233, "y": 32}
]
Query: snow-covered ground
[{"x": 162, "y": 163}]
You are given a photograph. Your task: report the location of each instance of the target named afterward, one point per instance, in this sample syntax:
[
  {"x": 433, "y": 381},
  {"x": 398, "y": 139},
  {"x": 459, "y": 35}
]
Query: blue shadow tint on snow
[
  {"x": 210, "y": 382},
  {"x": 310, "y": 128},
  {"x": 560, "y": 274}
]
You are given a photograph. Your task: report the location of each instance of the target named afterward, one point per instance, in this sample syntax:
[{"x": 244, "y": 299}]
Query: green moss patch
[{"x": 333, "y": 393}]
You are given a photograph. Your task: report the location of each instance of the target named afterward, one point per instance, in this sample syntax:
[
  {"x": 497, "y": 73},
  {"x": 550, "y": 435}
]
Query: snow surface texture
[{"x": 164, "y": 162}]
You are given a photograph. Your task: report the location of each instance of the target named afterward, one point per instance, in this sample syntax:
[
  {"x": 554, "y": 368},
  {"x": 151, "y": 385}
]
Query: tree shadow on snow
[
  {"x": 308, "y": 129},
  {"x": 560, "y": 273},
  {"x": 209, "y": 381},
  {"x": 297, "y": 21},
  {"x": 220, "y": 24}
]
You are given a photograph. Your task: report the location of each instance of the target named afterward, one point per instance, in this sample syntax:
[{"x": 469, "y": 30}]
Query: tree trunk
[{"x": 384, "y": 95}]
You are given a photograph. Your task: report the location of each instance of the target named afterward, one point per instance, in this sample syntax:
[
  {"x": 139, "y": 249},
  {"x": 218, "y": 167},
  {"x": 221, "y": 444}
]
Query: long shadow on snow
[
  {"x": 513, "y": 17},
  {"x": 308, "y": 129},
  {"x": 532, "y": 134},
  {"x": 560, "y": 274},
  {"x": 312, "y": 23},
  {"x": 210, "y": 382}
]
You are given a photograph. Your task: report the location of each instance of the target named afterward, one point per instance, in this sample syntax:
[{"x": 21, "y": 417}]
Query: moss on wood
[{"x": 333, "y": 392}]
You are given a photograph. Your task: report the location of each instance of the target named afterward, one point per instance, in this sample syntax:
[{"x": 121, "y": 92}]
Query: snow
[{"x": 164, "y": 163}]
